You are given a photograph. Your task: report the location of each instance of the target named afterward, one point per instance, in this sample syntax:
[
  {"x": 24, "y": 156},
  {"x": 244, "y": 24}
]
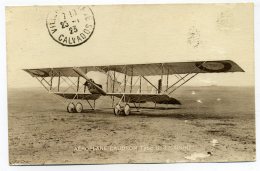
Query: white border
[{"x": 4, "y": 165}]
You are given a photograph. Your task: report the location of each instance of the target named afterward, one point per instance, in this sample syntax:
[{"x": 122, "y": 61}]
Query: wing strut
[
  {"x": 182, "y": 79},
  {"x": 150, "y": 83},
  {"x": 185, "y": 81},
  {"x": 176, "y": 82},
  {"x": 42, "y": 83}
]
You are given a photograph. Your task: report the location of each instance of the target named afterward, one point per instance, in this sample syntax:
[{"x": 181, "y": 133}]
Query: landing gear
[
  {"x": 122, "y": 109},
  {"x": 79, "y": 107},
  {"x": 127, "y": 109},
  {"x": 71, "y": 108},
  {"x": 117, "y": 110}
]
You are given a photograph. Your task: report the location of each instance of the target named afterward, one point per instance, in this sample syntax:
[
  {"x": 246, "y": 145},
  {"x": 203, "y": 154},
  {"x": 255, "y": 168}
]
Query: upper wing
[
  {"x": 150, "y": 69},
  {"x": 65, "y": 71},
  {"x": 186, "y": 67},
  {"x": 141, "y": 98}
]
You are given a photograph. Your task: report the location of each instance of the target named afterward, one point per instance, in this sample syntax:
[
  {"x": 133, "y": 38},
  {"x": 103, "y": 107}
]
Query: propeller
[{"x": 80, "y": 73}]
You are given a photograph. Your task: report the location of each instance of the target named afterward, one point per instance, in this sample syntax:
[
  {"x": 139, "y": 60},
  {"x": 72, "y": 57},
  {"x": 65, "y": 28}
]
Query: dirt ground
[{"x": 213, "y": 124}]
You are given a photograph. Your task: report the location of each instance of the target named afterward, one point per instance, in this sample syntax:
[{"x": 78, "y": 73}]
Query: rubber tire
[
  {"x": 127, "y": 109},
  {"x": 117, "y": 110},
  {"x": 79, "y": 107},
  {"x": 71, "y": 108}
]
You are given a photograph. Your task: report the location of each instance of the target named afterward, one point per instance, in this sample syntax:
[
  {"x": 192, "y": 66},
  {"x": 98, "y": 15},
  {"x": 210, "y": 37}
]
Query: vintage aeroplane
[{"x": 80, "y": 87}]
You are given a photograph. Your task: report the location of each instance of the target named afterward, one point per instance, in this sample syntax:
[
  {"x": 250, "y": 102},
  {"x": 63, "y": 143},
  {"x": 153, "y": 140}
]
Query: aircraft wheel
[
  {"x": 127, "y": 109},
  {"x": 117, "y": 109},
  {"x": 79, "y": 107},
  {"x": 71, "y": 107}
]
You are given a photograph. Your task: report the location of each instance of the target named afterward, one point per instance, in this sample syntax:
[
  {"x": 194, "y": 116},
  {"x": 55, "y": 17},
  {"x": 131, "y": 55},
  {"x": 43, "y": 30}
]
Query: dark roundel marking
[
  {"x": 39, "y": 73},
  {"x": 214, "y": 66}
]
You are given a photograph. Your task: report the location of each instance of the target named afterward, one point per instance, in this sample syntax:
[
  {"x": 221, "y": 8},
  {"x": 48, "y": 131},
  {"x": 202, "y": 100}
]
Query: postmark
[
  {"x": 225, "y": 21},
  {"x": 71, "y": 26},
  {"x": 193, "y": 37}
]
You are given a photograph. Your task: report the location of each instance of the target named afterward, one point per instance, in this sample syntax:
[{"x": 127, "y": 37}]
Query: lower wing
[{"x": 142, "y": 98}]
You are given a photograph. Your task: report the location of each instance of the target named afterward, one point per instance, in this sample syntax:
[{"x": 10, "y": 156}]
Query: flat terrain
[{"x": 213, "y": 124}]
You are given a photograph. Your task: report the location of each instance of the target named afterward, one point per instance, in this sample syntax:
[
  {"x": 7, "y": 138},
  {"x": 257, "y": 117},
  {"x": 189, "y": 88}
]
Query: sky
[{"x": 131, "y": 34}]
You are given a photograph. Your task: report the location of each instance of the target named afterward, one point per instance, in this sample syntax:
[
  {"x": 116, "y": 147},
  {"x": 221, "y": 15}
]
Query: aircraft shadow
[
  {"x": 182, "y": 116},
  {"x": 160, "y": 112}
]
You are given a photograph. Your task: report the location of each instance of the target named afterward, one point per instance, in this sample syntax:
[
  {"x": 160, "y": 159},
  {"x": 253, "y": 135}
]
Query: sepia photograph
[{"x": 118, "y": 84}]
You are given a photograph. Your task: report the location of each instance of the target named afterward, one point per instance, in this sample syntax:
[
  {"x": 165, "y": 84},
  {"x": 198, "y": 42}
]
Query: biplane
[{"x": 128, "y": 85}]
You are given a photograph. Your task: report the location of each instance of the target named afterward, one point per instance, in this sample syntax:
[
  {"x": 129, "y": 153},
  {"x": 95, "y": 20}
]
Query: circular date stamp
[{"x": 71, "y": 26}]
